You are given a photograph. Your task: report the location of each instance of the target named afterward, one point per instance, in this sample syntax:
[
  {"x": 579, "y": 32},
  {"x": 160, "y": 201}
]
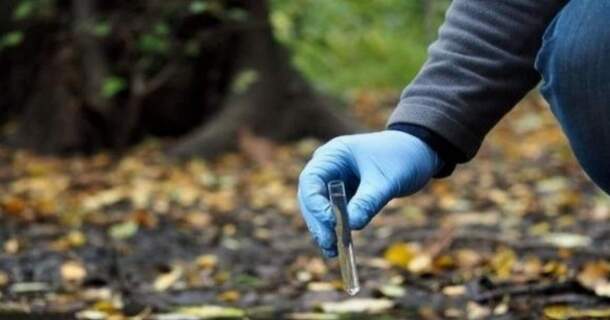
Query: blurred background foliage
[
  {"x": 346, "y": 45},
  {"x": 341, "y": 45},
  {"x": 109, "y": 73}
]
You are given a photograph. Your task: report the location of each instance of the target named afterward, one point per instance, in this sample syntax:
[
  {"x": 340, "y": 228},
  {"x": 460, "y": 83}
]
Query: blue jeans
[{"x": 574, "y": 62}]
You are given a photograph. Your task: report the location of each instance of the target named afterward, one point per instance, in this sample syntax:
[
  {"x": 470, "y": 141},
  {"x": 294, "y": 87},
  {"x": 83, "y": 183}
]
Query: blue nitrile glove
[{"x": 376, "y": 167}]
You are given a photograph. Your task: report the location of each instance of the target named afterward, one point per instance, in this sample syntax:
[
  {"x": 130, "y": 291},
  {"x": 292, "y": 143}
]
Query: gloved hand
[{"x": 376, "y": 167}]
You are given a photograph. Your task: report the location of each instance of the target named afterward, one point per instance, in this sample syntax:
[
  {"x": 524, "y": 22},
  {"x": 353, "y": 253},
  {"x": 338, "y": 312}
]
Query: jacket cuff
[{"x": 450, "y": 155}]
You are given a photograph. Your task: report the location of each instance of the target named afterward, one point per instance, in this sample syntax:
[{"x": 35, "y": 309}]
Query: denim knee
[{"x": 574, "y": 62}]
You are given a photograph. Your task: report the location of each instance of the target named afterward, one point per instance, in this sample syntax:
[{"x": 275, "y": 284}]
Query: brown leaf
[
  {"x": 4, "y": 279},
  {"x": 594, "y": 276},
  {"x": 14, "y": 206},
  {"x": 144, "y": 218}
]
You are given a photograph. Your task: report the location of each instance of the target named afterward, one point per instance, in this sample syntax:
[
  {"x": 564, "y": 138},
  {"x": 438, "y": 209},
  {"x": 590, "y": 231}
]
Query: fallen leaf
[
  {"x": 392, "y": 291},
  {"x": 420, "y": 264},
  {"x": 567, "y": 240},
  {"x": 568, "y": 313},
  {"x": 358, "y": 306},
  {"x": 594, "y": 276},
  {"x": 4, "y": 279},
  {"x": 555, "y": 268},
  {"x": 320, "y": 286},
  {"x": 230, "y": 296},
  {"x": 103, "y": 198},
  {"x": 400, "y": 254},
  {"x": 144, "y": 218},
  {"x": 467, "y": 258},
  {"x": 74, "y": 239},
  {"x": 13, "y": 206},
  {"x": 476, "y": 311},
  {"x": 312, "y": 316},
  {"x": 73, "y": 272},
  {"x": 123, "y": 230},
  {"x": 106, "y": 306},
  {"x": 29, "y": 287},
  {"x": 212, "y": 312},
  {"x": 459, "y": 290},
  {"x": 11, "y": 246},
  {"x": 503, "y": 261},
  {"x": 91, "y": 315},
  {"x": 166, "y": 280},
  {"x": 207, "y": 261},
  {"x": 198, "y": 220}
]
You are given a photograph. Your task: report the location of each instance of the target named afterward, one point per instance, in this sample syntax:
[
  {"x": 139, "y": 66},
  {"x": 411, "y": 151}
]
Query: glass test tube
[{"x": 347, "y": 259}]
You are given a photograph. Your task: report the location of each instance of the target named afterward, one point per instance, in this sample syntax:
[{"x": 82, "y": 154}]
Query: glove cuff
[{"x": 448, "y": 154}]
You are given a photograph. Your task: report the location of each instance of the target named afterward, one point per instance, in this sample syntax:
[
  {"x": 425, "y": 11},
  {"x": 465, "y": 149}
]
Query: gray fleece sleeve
[{"x": 481, "y": 65}]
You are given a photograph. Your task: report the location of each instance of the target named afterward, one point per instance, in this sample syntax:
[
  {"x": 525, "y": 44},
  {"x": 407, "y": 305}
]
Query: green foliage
[
  {"x": 11, "y": 39},
  {"x": 24, "y": 10},
  {"x": 344, "y": 45},
  {"x": 29, "y": 9},
  {"x": 243, "y": 80},
  {"x": 102, "y": 29},
  {"x": 112, "y": 86},
  {"x": 198, "y": 7},
  {"x": 153, "y": 43},
  {"x": 157, "y": 41}
]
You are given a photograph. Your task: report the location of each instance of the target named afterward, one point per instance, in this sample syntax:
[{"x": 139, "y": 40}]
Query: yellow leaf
[
  {"x": 503, "y": 261},
  {"x": 207, "y": 261},
  {"x": 105, "y": 306},
  {"x": 567, "y": 313},
  {"x": 76, "y": 238},
  {"x": 555, "y": 268},
  {"x": 229, "y": 296},
  {"x": 400, "y": 254}
]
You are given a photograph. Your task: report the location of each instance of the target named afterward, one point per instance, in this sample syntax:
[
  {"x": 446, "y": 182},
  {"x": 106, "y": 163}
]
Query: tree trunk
[{"x": 269, "y": 97}]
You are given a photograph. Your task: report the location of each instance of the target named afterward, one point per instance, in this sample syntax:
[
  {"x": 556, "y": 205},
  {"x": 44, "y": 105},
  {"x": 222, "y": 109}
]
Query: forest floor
[{"x": 518, "y": 233}]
